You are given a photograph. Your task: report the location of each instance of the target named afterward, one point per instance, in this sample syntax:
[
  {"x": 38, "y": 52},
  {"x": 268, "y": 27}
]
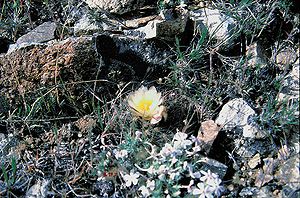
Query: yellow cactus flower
[{"x": 146, "y": 103}]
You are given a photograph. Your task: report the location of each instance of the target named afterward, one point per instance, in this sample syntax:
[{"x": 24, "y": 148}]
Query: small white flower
[
  {"x": 217, "y": 188},
  {"x": 185, "y": 165},
  {"x": 176, "y": 194},
  {"x": 121, "y": 154},
  {"x": 173, "y": 160},
  {"x": 167, "y": 150},
  {"x": 180, "y": 141},
  {"x": 151, "y": 170},
  {"x": 138, "y": 135},
  {"x": 144, "y": 191},
  {"x": 130, "y": 179},
  {"x": 179, "y": 136},
  {"x": 195, "y": 150},
  {"x": 189, "y": 187},
  {"x": 202, "y": 191},
  {"x": 209, "y": 177},
  {"x": 151, "y": 184},
  {"x": 161, "y": 177}
]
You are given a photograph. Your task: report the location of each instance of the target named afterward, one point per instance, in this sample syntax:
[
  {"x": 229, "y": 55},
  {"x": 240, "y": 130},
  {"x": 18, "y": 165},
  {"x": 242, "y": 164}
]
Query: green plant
[
  {"x": 9, "y": 175},
  {"x": 150, "y": 170},
  {"x": 14, "y": 14}
]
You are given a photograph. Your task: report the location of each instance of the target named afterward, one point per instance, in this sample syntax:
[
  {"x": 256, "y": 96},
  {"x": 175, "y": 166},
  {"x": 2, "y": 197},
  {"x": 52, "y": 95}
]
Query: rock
[
  {"x": 254, "y": 161},
  {"x": 290, "y": 90},
  {"x": 135, "y": 23},
  {"x": 159, "y": 28},
  {"x": 43, "y": 33},
  {"x": 214, "y": 166},
  {"x": 288, "y": 172},
  {"x": 286, "y": 56},
  {"x": 85, "y": 26},
  {"x": 265, "y": 191},
  {"x": 255, "y": 55},
  {"x": 38, "y": 190},
  {"x": 103, "y": 188},
  {"x": 30, "y": 68},
  {"x": 248, "y": 191},
  {"x": 247, "y": 149},
  {"x": 237, "y": 113},
  {"x": 207, "y": 134},
  {"x": 133, "y": 51},
  {"x": 265, "y": 174},
  {"x": 288, "y": 192},
  {"x": 117, "y": 6},
  {"x": 219, "y": 25}
]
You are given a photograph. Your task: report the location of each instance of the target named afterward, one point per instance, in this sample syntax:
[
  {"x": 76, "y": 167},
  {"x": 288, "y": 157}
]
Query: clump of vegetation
[{"x": 128, "y": 140}]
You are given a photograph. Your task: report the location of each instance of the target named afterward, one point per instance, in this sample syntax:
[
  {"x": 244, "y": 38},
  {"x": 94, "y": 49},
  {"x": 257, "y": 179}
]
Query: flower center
[{"x": 144, "y": 105}]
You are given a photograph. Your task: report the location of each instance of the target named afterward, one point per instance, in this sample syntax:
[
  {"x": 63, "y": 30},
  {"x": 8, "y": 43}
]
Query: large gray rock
[
  {"x": 132, "y": 51},
  {"x": 41, "y": 34},
  {"x": 86, "y": 26},
  {"x": 238, "y": 114},
  {"x": 116, "y": 6}
]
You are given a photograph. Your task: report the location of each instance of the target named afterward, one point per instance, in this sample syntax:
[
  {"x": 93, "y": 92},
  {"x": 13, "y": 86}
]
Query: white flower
[
  {"x": 173, "y": 161},
  {"x": 162, "y": 169},
  {"x": 209, "y": 177},
  {"x": 151, "y": 184},
  {"x": 172, "y": 175},
  {"x": 176, "y": 194},
  {"x": 202, "y": 191},
  {"x": 213, "y": 182},
  {"x": 195, "y": 150},
  {"x": 161, "y": 177},
  {"x": 121, "y": 154},
  {"x": 146, "y": 103},
  {"x": 145, "y": 192},
  {"x": 130, "y": 179},
  {"x": 180, "y": 140},
  {"x": 138, "y": 135},
  {"x": 167, "y": 150},
  {"x": 218, "y": 188},
  {"x": 189, "y": 187}
]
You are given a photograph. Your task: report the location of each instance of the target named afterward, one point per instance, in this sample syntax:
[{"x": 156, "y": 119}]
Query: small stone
[
  {"x": 286, "y": 56},
  {"x": 288, "y": 172},
  {"x": 207, "y": 134},
  {"x": 135, "y": 23},
  {"x": 38, "y": 190},
  {"x": 254, "y": 161},
  {"x": 85, "y": 26},
  {"x": 248, "y": 191},
  {"x": 255, "y": 55},
  {"x": 158, "y": 28}
]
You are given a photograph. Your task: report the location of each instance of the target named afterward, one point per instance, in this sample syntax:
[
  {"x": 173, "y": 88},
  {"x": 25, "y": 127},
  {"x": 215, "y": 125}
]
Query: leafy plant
[{"x": 9, "y": 175}]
